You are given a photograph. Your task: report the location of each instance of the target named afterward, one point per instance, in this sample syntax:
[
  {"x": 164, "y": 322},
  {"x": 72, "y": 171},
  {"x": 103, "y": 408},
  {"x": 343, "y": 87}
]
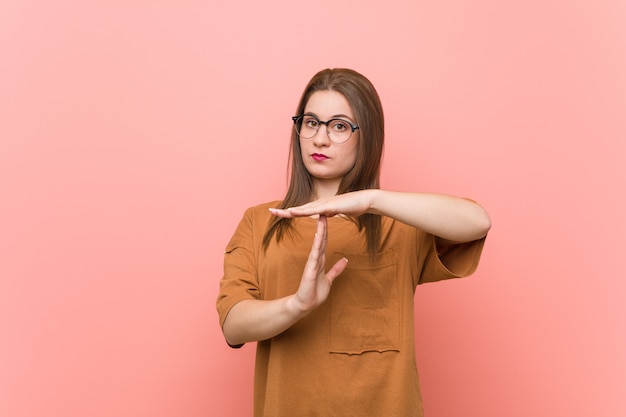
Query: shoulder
[
  {"x": 259, "y": 215},
  {"x": 252, "y": 225},
  {"x": 261, "y": 210},
  {"x": 265, "y": 206}
]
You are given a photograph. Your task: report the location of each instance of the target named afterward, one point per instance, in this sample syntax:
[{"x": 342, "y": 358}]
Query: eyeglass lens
[{"x": 338, "y": 130}]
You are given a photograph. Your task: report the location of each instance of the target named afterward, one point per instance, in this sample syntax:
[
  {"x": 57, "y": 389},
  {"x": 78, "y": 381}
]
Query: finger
[
  {"x": 317, "y": 249},
  {"x": 298, "y": 212},
  {"x": 310, "y": 209},
  {"x": 292, "y": 212},
  {"x": 322, "y": 229},
  {"x": 284, "y": 213},
  {"x": 337, "y": 269}
]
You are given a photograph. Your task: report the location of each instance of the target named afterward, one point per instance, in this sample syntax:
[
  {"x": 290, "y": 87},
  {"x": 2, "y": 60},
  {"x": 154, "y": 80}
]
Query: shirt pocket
[{"x": 366, "y": 306}]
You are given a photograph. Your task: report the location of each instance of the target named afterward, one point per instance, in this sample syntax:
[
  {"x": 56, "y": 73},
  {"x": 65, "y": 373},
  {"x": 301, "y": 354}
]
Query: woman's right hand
[
  {"x": 315, "y": 284},
  {"x": 251, "y": 320}
]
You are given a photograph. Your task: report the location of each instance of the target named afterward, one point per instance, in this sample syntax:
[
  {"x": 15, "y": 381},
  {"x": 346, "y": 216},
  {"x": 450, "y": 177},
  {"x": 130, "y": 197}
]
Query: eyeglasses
[{"x": 338, "y": 130}]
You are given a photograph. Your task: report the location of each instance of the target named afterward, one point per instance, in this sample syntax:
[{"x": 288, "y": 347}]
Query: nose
[{"x": 321, "y": 136}]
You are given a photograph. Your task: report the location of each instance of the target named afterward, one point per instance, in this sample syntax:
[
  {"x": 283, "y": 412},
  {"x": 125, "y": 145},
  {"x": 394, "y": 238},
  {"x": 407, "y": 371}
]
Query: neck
[{"x": 324, "y": 189}]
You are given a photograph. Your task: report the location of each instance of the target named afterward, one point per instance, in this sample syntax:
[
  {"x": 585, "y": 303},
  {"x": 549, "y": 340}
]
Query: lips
[{"x": 319, "y": 157}]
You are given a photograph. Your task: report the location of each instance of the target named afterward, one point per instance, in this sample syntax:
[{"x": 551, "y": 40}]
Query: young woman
[{"x": 334, "y": 318}]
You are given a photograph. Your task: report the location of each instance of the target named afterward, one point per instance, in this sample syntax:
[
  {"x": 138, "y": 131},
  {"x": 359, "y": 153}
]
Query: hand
[
  {"x": 315, "y": 284},
  {"x": 351, "y": 204}
]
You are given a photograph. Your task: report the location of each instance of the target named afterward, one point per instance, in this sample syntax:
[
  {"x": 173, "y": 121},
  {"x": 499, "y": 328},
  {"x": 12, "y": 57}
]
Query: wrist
[
  {"x": 374, "y": 196},
  {"x": 294, "y": 308}
]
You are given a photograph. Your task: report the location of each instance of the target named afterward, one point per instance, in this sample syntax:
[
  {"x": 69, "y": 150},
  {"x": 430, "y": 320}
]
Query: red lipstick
[{"x": 319, "y": 157}]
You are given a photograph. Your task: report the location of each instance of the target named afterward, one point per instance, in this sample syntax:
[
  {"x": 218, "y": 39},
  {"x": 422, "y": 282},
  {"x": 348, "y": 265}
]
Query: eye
[
  {"x": 339, "y": 125},
  {"x": 310, "y": 122}
]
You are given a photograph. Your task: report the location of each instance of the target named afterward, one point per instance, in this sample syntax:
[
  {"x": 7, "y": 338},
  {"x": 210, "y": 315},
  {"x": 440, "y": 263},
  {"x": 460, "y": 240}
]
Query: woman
[{"x": 331, "y": 345}]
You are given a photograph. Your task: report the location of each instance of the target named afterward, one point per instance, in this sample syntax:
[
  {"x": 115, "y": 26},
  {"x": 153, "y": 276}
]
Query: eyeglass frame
[{"x": 353, "y": 126}]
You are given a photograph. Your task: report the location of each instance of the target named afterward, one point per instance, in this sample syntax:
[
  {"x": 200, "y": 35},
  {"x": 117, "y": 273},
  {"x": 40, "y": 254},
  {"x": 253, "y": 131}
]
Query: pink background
[{"x": 135, "y": 133}]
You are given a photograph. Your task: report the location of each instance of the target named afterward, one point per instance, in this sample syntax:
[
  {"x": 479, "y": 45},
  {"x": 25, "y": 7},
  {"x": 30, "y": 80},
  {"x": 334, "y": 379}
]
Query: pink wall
[{"x": 135, "y": 133}]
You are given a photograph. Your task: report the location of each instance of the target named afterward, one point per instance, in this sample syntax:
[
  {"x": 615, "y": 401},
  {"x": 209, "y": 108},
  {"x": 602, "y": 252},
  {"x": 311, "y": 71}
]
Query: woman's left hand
[
  {"x": 451, "y": 219},
  {"x": 350, "y": 204}
]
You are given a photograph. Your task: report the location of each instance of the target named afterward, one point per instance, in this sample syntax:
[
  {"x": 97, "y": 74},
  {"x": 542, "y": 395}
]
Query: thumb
[{"x": 336, "y": 269}]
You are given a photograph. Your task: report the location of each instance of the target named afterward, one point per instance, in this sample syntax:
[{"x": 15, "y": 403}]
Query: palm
[
  {"x": 315, "y": 284},
  {"x": 351, "y": 204}
]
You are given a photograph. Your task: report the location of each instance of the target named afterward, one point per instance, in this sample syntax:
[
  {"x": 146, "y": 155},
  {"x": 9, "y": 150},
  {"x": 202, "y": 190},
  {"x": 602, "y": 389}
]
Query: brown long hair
[{"x": 365, "y": 174}]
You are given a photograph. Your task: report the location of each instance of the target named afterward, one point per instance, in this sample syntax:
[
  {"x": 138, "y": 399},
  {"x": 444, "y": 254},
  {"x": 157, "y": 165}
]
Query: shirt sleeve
[
  {"x": 457, "y": 261},
  {"x": 240, "y": 281}
]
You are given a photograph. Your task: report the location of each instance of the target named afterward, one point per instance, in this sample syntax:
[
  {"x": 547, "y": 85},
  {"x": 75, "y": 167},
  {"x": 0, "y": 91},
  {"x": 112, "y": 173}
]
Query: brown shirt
[{"x": 354, "y": 355}]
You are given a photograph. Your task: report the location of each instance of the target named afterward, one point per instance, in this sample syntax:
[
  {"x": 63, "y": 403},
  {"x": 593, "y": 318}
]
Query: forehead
[{"x": 328, "y": 104}]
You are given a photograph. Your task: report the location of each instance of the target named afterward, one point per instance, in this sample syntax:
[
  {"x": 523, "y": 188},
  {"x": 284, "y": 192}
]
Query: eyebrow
[{"x": 310, "y": 113}]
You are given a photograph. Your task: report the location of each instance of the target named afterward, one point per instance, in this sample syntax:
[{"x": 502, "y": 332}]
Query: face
[{"x": 324, "y": 159}]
